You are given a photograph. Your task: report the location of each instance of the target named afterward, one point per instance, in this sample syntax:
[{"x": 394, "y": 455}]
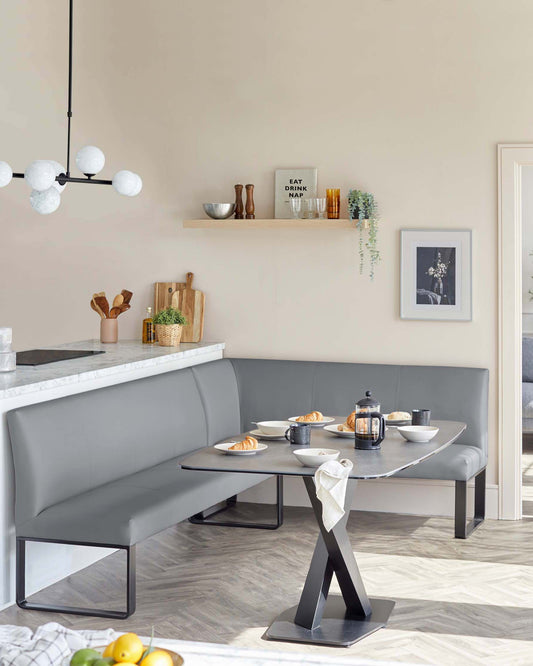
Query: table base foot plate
[{"x": 336, "y": 629}]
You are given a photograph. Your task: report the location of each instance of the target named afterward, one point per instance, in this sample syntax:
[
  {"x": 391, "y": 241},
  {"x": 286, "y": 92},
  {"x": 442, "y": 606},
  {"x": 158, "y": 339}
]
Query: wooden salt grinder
[
  {"x": 250, "y": 205},
  {"x": 239, "y": 205}
]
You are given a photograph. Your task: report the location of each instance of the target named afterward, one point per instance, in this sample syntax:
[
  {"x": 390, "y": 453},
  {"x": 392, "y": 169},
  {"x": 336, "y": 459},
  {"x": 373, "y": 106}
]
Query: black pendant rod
[
  {"x": 69, "y": 112},
  {"x": 62, "y": 179}
]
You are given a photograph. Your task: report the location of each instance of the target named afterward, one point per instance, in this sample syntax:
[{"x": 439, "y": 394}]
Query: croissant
[
  {"x": 247, "y": 444},
  {"x": 350, "y": 422},
  {"x": 311, "y": 417}
]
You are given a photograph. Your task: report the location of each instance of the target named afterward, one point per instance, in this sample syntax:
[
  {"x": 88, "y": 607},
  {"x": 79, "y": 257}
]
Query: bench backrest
[{"x": 279, "y": 389}]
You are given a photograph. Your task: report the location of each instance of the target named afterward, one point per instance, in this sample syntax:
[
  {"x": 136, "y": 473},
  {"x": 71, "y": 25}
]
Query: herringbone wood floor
[{"x": 457, "y": 602}]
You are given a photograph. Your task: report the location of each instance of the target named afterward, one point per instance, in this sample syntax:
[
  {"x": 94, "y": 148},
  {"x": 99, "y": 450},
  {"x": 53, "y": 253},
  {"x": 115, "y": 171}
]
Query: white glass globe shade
[
  {"x": 40, "y": 175},
  {"x": 127, "y": 183},
  {"x": 6, "y": 174},
  {"x": 90, "y": 160},
  {"x": 139, "y": 186},
  {"x": 59, "y": 169},
  {"x": 45, "y": 202}
]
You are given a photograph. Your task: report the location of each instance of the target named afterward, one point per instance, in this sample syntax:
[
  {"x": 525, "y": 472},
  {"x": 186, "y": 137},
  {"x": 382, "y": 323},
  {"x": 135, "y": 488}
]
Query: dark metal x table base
[{"x": 335, "y": 621}]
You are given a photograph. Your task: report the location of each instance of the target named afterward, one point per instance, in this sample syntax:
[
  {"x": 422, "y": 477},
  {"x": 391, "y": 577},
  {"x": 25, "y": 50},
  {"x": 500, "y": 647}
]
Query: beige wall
[{"x": 405, "y": 98}]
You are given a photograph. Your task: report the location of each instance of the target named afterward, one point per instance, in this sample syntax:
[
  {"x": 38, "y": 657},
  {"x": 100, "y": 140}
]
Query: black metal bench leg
[
  {"x": 203, "y": 518},
  {"x": 463, "y": 528},
  {"x": 23, "y": 603}
]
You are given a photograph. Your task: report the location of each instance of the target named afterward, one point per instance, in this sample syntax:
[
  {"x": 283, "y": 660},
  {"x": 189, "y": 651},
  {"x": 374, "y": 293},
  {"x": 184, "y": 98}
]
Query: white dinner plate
[
  {"x": 395, "y": 424},
  {"x": 339, "y": 433},
  {"x": 314, "y": 424},
  {"x": 261, "y": 435},
  {"x": 224, "y": 447}
]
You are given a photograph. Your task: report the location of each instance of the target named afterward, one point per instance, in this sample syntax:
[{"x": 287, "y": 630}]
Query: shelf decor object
[
  {"x": 436, "y": 274},
  {"x": 293, "y": 183},
  {"x": 48, "y": 178},
  {"x": 363, "y": 209}
]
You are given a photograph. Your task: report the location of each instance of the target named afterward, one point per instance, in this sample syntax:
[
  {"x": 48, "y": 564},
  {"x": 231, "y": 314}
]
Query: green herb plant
[
  {"x": 362, "y": 206},
  {"x": 170, "y": 316}
]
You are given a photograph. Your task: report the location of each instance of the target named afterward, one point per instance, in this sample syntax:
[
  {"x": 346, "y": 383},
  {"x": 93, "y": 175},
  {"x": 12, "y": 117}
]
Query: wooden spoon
[
  {"x": 124, "y": 307},
  {"x": 127, "y": 295},
  {"x": 97, "y": 309},
  {"x": 118, "y": 300}
]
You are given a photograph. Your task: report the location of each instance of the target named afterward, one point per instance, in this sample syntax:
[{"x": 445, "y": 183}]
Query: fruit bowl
[{"x": 177, "y": 660}]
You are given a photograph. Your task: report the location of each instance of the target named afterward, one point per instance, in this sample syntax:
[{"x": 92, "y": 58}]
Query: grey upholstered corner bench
[{"x": 101, "y": 468}]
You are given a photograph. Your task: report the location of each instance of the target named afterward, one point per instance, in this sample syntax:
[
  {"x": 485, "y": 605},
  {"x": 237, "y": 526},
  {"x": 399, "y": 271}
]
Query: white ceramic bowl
[
  {"x": 418, "y": 433},
  {"x": 276, "y": 428},
  {"x": 315, "y": 457}
]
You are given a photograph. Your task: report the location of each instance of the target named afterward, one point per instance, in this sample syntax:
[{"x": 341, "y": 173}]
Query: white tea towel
[
  {"x": 331, "y": 479},
  {"x": 50, "y": 645}
]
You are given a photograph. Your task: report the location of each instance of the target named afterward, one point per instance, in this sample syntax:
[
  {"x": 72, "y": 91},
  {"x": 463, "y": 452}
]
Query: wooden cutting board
[
  {"x": 192, "y": 303},
  {"x": 163, "y": 294}
]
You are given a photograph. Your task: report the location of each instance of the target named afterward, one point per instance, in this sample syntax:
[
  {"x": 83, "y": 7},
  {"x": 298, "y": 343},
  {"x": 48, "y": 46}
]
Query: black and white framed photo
[
  {"x": 436, "y": 274},
  {"x": 293, "y": 184}
]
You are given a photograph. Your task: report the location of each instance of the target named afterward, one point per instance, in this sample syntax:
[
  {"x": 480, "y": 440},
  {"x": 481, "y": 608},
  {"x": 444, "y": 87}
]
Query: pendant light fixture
[{"x": 48, "y": 178}]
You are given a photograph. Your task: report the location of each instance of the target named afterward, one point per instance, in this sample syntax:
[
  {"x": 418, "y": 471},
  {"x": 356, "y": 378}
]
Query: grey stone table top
[{"x": 395, "y": 454}]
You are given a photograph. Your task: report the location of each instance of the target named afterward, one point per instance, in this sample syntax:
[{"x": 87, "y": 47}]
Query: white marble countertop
[{"x": 122, "y": 356}]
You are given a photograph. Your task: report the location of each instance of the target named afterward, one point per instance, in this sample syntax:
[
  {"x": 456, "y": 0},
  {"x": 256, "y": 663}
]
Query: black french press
[{"x": 369, "y": 424}]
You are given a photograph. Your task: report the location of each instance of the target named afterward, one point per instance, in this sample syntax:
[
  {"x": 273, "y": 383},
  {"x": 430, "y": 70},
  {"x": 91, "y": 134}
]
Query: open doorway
[{"x": 527, "y": 340}]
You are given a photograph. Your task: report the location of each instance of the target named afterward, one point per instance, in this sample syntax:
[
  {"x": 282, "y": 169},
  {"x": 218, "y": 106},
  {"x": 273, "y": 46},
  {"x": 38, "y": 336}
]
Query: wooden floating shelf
[{"x": 231, "y": 223}]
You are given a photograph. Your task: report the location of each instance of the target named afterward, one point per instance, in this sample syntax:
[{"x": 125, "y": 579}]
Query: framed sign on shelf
[
  {"x": 293, "y": 183},
  {"x": 436, "y": 274}
]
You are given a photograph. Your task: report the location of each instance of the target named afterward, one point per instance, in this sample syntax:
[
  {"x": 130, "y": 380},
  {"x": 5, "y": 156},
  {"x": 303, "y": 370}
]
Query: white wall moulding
[
  {"x": 270, "y": 224},
  {"x": 511, "y": 160}
]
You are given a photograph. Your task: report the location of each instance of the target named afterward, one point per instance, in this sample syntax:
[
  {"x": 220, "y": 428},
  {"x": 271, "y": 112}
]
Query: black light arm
[{"x": 63, "y": 178}]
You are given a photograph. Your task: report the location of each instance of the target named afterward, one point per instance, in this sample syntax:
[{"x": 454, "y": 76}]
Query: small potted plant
[
  {"x": 168, "y": 326},
  {"x": 363, "y": 207}
]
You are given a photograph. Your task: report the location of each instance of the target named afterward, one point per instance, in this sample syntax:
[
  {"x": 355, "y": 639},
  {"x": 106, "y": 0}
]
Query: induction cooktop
[{"x": 42, "y": 356}]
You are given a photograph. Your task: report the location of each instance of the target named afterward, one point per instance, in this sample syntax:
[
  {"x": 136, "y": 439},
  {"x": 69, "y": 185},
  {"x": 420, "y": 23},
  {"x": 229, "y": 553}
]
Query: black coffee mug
[
  {"x": 299, "y": 434},
  {"x": 421, "y": 417}
]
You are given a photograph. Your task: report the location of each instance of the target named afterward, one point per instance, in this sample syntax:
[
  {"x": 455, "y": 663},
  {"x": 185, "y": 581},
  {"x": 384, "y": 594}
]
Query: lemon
[
  {"x": 157, "y": 658},
  {"x": 128, "y": 649},
  {"x": 108, "y": 652}
]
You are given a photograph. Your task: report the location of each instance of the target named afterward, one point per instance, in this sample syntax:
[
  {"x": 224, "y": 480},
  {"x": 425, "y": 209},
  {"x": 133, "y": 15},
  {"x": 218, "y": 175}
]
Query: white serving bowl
[
  {"x": 418, "y": 433},
  {"x": 275, "y": 428},
  {"x": 315, "y": 457}
]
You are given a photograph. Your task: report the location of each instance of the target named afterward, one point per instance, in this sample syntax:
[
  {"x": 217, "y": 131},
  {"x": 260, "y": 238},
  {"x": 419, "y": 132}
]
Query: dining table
[{"x": 320, "y": 618}]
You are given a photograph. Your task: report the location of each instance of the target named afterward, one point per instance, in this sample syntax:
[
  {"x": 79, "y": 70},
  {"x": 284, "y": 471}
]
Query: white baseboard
[{"x": 421, "y": 497}]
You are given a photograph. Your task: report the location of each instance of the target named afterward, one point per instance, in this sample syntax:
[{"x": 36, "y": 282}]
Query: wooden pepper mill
[
  {"x": 250, "y": 205},
  {"x": 239, "y": 205}
]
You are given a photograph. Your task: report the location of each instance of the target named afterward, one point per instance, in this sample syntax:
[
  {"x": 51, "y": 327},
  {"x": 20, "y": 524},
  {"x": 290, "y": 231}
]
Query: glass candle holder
[
  {"x": 321, "y": 207},
  {"x": 310, "y": 209},
  {"x": 333, "y": 197}
]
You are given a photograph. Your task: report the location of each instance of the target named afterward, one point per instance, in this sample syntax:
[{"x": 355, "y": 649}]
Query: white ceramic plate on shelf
[
  {"x": 225, "y": 446},
  {"x": 261, "y": 435},
  {"x": 339, "y": 433},
  {"x": 314, "y": 424}
]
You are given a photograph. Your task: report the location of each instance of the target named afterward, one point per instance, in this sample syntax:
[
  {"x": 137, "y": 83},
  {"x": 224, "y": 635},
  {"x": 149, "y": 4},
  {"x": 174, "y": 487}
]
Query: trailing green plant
[
  {"x": 362, "y": 207},
  {"x": 170, "y": 316}
]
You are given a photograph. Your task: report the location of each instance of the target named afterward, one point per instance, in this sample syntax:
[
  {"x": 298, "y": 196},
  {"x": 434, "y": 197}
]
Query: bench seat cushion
[
  {"x": 458, "y": 462},
  {"x": 133, "y": 508}
]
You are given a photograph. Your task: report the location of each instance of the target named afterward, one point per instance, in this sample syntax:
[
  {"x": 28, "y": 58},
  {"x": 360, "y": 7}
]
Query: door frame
[{"x": 511, "y": 160}]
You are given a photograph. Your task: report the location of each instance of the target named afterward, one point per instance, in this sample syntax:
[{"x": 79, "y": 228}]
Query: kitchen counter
[
  {"x": 122, "y": 362},
  {"x": 125, "y": 356}
]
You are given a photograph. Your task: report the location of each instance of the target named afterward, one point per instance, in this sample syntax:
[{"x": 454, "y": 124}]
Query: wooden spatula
[
  {"x": 126, "y": 295},
  {"x": 118, "y": 300},
  {"x": 97, "y": 309}
]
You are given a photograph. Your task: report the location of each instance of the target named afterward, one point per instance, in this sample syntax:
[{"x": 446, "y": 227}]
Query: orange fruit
[
  {"x": 157, "y": 658},
  {"x": 108, "y": 652},
  {"x": 128, "y": 649}
]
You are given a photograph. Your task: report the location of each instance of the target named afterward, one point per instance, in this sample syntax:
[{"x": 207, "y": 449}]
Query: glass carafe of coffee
[{"x": 369, "y": 424}]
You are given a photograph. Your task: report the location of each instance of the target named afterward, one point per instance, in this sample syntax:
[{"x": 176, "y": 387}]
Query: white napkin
[
  {"x": 50, "y": 645},
  {"x": 331, "y": 479}
]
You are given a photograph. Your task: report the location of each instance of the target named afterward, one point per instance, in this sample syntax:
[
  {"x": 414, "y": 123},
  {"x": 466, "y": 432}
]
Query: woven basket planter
[{"x": 168, "y": 335}]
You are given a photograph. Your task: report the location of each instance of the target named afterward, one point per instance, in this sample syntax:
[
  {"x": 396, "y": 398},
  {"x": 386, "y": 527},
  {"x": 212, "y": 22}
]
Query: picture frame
[
  {"x": 436, "y": 274},
  {"x": 289, "y": 183}
]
